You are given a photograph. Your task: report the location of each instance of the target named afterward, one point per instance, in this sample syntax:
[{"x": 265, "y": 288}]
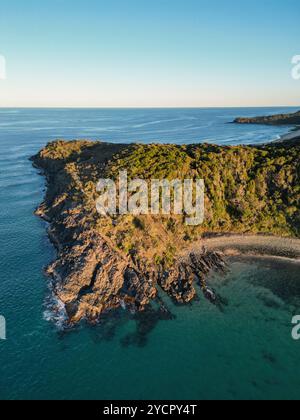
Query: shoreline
[
  {"x": 294, "y": 134},
  {"x": 291, "y": 120},
  {"x": 104, "y": 264},
  {"x": 254, "y": 245}
]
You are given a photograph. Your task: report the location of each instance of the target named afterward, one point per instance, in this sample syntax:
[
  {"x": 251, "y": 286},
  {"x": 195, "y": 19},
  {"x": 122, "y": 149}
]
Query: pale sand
[{"x": 254, "y": 245}]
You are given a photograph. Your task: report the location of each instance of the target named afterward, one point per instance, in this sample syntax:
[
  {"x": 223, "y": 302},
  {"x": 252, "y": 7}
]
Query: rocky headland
[
  {"x": 277, "y": 119},
  {"x": 105, "y": 263}
]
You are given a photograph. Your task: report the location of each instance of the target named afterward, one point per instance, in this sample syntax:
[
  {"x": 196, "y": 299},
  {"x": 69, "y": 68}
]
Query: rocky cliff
[{"x": 109, "y": 262}]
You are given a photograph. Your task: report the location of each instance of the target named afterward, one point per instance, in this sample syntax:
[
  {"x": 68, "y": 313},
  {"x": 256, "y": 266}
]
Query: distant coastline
[
  {"x": 293, "y": 136},
  {"x": 292, "y": 119},
  {"x": 275, "y": 119}
]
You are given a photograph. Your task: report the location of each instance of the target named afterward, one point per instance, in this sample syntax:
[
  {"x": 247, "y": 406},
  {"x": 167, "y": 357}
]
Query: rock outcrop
[
  {"x": 91, "y": 275},
  {"x": 123, "y": 261}
]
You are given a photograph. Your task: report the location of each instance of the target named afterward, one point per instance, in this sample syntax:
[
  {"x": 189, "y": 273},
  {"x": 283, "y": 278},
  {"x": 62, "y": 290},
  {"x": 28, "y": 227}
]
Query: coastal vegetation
[
  {"x": 105, "y": 261},
  {"x": 248, "y": 189}
]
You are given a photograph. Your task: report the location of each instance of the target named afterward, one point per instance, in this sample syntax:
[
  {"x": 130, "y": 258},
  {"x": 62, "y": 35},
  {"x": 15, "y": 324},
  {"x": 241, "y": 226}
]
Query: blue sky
[{"x": 142, "y": 53}]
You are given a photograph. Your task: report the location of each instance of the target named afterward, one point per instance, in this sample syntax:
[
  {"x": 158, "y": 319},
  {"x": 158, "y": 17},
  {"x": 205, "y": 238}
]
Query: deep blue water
[
  {"x": 244, "y": 351},
  {"x": 138, "y": 125}
]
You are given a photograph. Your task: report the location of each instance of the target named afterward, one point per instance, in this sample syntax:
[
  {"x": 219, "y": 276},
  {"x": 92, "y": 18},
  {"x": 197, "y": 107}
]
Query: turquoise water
[{"x": 242, "y": 350}]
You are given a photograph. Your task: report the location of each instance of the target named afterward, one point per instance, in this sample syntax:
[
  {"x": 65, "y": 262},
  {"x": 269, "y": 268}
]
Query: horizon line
[{"x": 149, "y": 107}]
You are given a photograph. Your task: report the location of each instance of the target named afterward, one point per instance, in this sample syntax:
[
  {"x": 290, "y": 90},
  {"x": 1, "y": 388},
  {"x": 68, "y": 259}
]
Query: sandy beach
[{"x": 255, "y": 245}]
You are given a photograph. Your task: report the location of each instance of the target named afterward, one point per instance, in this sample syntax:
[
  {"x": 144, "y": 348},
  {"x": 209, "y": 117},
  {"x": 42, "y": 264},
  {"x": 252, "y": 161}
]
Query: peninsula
[
  {"x": 277, "y": 119},
  {"x": 110, "y": 262}
]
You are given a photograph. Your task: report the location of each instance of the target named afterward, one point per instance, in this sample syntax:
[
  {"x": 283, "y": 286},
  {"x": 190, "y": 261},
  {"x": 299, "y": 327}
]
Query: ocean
[{"x": 243, "y": 350}]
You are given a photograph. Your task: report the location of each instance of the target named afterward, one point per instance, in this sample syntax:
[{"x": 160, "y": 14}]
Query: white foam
[{"x": 55, "y": 311}]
